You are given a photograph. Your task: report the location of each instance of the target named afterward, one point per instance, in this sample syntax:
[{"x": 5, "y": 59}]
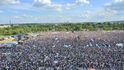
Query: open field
[{"x": 7, "y": 41}]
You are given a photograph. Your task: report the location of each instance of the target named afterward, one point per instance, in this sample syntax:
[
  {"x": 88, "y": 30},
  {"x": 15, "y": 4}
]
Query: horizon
[
  {"x": 60, "y": 11},
  {"x": 9, "y": 23}
]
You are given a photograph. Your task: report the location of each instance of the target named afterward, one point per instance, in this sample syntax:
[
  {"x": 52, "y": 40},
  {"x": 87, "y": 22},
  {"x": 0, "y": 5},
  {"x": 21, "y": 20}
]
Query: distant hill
[{"x": 117, "y": 21}]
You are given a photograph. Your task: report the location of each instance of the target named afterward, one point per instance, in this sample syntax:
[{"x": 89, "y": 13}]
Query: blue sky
[{"x": 54, "y": 11}]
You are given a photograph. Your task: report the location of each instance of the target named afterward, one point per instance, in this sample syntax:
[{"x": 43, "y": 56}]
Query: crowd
[{"x": 60, "y": 52}]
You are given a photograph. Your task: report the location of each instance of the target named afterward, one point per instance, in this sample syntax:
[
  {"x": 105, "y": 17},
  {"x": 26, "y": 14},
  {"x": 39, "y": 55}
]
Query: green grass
[
  {"x": 1, "y": 36},
  {"x": 6, "y": 41},
  {"x": 31, "y": 28}
]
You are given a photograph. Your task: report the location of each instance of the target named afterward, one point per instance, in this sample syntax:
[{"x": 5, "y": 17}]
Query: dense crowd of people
[{"x": 68, "y": 51}]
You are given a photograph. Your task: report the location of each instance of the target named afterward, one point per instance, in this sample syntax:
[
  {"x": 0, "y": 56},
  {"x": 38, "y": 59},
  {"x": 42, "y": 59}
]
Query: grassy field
[
  {"x": 7, "y": 40},
  {"x": 1, "y": 36}
]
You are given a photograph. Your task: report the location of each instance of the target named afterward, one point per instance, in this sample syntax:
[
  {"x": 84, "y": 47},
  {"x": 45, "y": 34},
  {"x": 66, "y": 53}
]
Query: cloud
[
  {"x": 56, "y": 7},
  {"x": 118, "y": 0},
  {"x": 98, "y": 15},
  {"x": 115, "y": 10},
  {"x": 82, "y": 2},
  {"x": 22, "y": 16},
  {"x": 9, "y": 2},
  {"x": 106, "y": 13},
  {"x": 42, "y": 3},
  {"x": 47, "y": 3},
  {"x": 50, "y": 4},
  {"x": 117, "y": 5}
]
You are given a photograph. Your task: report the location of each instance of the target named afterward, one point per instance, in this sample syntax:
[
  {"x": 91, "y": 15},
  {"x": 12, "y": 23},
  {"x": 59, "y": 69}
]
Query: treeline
[{"x": 28, "y": 28}]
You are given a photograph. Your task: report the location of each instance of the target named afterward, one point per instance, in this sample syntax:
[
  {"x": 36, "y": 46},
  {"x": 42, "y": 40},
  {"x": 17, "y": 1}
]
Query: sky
[{"x": 56, "y": 11}]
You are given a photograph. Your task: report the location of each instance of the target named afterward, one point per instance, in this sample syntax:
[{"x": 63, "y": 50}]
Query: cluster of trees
[{"x": 28, "y": 28}]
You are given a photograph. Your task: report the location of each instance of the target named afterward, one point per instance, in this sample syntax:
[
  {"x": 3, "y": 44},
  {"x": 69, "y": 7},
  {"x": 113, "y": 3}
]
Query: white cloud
[
  {"x": 9, "y": 2},
  {"x": 118, "y": 0},
  {"x": 56, "y": 7},
  {"x": 47, "y": 3},
  {"x": 82, "y": 2},
  {"x": 42, "y": 2},
  {"x": 69, "y": 6},
  {"x": 117, "y": 5},
  {"x": 50, "y": 4},
  {"x": 107, "y": 13},
  {"x": 98, "y": 15}
]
